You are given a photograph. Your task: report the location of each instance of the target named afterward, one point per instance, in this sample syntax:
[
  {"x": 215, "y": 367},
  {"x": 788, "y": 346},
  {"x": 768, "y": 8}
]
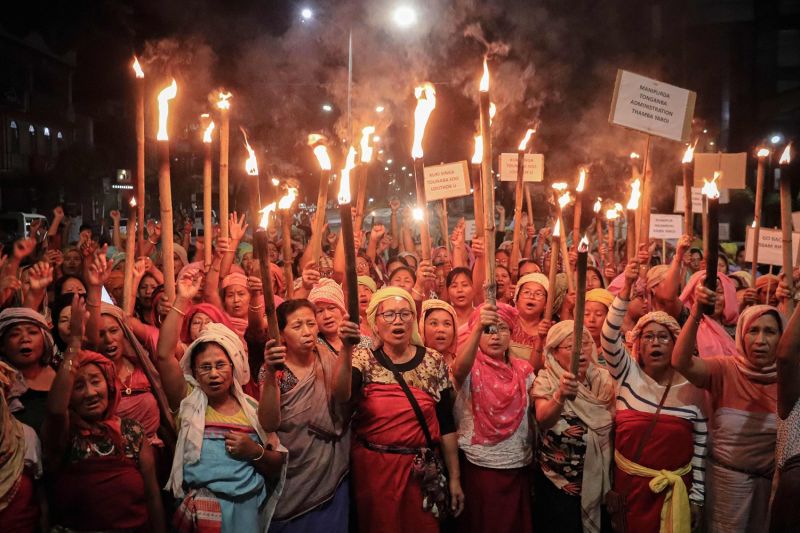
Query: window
[
  {"x": 46, "y": 131},
  {"x": 14, "y": 137},
  {"x": 59, "y": 136},
  {"x": 33, "y": 141}
]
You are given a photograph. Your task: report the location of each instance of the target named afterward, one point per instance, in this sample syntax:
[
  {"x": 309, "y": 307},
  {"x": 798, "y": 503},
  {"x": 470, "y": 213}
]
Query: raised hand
[
  {"x": 189, "y": 283},
  {"x": 349, "y": 332},
  {"x": 477, "y": 247},
  {"x": 684, "y": 244},
  {"x": 377, "y": 232},
  {"x": 153, "y": 231},
  {"x": 139, "y": 270},
  {"x": 310, "y": 276},
  {"x": 78, "y": 318},
  {"x": 237, "y": 226},
  {"x": 394, "y": 204},
  {"x": 98, "y": 270},
  {"x": 223, "y": 247},
  {"x": 58, "y": 213},
  {"x": 568, "y": 386},
  {"x": 40, "y": 276},
  {"x": 54, "y": 257},
  {"x": 115, "y": 216},
  {"x": 274, "y": 355},
  {"x": 489, "y": 315},
  {"x": 254, "y": 286}
]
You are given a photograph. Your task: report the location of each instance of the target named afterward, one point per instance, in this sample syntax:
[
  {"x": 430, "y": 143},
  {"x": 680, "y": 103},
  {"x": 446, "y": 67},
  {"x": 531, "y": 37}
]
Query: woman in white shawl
[
  {"x": 575, "y": 415},
  {"x": 227, "y": 470}
]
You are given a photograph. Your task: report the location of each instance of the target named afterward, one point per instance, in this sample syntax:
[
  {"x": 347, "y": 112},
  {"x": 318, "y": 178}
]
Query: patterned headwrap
[
  {"x": 534, "y": 277},
  {"x": 656, "y": 275},
  {"x": 659, "y": 317},
  {"x": 242, "y": 249},
  {"x": 328, "y": 291},
  {"x": 368, "y": 282},
  {"x": 233, "y": 279},
  {"x": 432, "y": 305},
  {"x": 745, "y": 278},
  {"x": 601, "y": 296},
  {"x": 109, "y": 425},
  {"x": 12, "y": 316},
  {"x": 387, "y": 293},
  {"x": 12, "y": 438}
]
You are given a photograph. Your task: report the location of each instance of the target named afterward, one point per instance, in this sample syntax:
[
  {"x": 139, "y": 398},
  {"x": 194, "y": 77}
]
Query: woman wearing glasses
[
  {"x": 744, "y": 399},
  {"x": 530, "y": 328},
  {"x": 575, "y": 414},
  {"x": 660, "y": 423},
  {"x": 403, "y": 423},
  {"x": 494, "y": 433},
  {"x": 223, "y": 455}
]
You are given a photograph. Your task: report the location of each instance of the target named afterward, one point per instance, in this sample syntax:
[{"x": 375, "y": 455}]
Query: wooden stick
[
  {"x": 262, "y": 253},
  {"x": 422, "y": 203},
  {"x": 319, "y": 219},
  {"x": 477, "y": 200},
  {"x": 518, "y": 195},
  {"x": 580, "y": 305},
  {"x": 786, "y": 237},
  {"x": 129, "y": 291},
  {"x": 286, "y": 228},
  {"x": 487, "y": 185},
  {"x": 208, "y": 230},
  {"x": 555, "y": 246},
  {"x": 445, "y": 226},
  {"x": 757, "y": 216},
  {"x": 167, "y": 233},
  {"x": 140, "y": 180},
  {"x": 646, "y": 200},
  {"x": 224, "y": 140}
]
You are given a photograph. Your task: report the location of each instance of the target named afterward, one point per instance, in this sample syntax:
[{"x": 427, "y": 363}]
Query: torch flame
[
  {"x": 524, "y": 144},
  {"x": 563, "y": 200},
  {"x": 492, "y": 112},
  {"x": 688, "y": 155},
  {"x": 636, "y": 192},
  {"x": 133, "y": 201},
  {"x": 265, "y": 213},
  {"x": 366, "y": 149},
  {"x": 753, "y": 225},
  {"x": 557, "y": 228},
  {"x": 477, "y": 155},
  {"x": 634, "y": 155},
  {"x": 786, "y": 157},
  {"x": 484, "y": 86},
  {"x": 416, "y": 213},
  {"x": 421, "y": 115},
  {"x": 560, "y": 186},
  {"x": 251, "y": 164},
  {"x": 762, "y": 152},
  {"x": 344, "y": 184},
  {"x": 137, "y": 68},
  {"x": 275, "y": 182},
  {"x": 618, "y": 208},
  {"x": 710, "y": 187},
  {"x": 581, "y": 180},
  {"x": 322, "y": 156},
  {"x": 598, "y": 205},
  {"x": 583, "y": 246},
  {"x": 288, "y": 199},
  {"x": 207, "y": 133},
  {"x": 164, "y": 97},
  {"x": 612, "y": 214},
  {"x": 223, "y": 102}
]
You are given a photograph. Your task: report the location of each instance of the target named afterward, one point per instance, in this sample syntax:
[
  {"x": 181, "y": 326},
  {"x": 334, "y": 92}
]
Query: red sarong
[
  {"x": 669, "y": 447},
  {"x": 388, "y": 499},
  {"x": 499, "y": 499},
  {"x": 99, "y": 493}
]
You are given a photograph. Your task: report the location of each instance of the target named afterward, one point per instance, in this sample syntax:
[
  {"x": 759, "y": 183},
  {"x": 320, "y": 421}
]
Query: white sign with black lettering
[
  {"x": 533, "y": 167},
  {"x": 724, "y": 231},
  {"x": 666, "y": 226},
  {"x": 697, "y": 199},
  {"x": 469, "y": 230},
  {"x": 770, "y": 246},
  {"x": 450, "y": 180},
  {"x": 651, "y": 106}
]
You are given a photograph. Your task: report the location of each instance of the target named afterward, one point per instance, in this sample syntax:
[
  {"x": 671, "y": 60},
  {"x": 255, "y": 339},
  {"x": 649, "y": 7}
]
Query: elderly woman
[
  {"x": 660, "y": 423},
  {"x": 437, "y": 327},
  {"x": 87, "y": 446},
  {"x": 530, "y": 298},
  {"x": 298, "y": 403},
  {"x": 20, "y": 464},
  {"x": 575, "y": 414},
  {"x": 226, "y": 469},
  {"x": 714, "y": 333},
  {"x": 28, "y": 347},
  {"x": 743, "y": 393},
  {"x": 404, "y": 414},
  {"x": 328, "y": 300},
  {"x": 494, "y": 432},
  {"x": 366, "y": 288}
]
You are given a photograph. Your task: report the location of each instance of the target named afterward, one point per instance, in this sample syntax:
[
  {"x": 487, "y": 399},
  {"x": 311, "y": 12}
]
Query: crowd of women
[{"x": 432, "y": 410}]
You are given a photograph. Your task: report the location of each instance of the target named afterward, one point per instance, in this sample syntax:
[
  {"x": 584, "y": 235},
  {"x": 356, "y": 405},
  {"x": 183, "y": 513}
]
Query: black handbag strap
[
  {"x": 652, "y": 426},
  {"x": 384, "y": 360}
]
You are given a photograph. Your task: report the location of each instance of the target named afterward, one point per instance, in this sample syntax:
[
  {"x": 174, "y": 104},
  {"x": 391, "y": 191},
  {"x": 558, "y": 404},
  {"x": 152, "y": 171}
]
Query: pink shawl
[
  {"x": 712, "y": 339},
  {"x": 499, "y": 395}
]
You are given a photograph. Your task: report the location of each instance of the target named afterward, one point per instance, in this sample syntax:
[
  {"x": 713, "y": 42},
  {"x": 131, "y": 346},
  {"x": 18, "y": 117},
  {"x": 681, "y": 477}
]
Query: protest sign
[
  {"x": 733, "y": 168},
  {"x": 533, "y": 169},
  {"x": 449, "y": 180},
  {"x": 666, "y": 226},
  {"x": 697, "y": 199},
  {"x": 770, "y": 246}
]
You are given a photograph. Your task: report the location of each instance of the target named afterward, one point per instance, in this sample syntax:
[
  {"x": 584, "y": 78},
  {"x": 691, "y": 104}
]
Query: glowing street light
[
  {"x": 380, "y": 109},
  {"x": 327, "y": 108},
  {"x": 306, "y": 13},
  {"x": 404, "y": 16},
  {"x": 776, "y": 138}
]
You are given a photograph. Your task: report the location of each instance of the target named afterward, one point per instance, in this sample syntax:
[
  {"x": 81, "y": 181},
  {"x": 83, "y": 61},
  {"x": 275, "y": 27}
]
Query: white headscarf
[{"x": 192, "y": 412}]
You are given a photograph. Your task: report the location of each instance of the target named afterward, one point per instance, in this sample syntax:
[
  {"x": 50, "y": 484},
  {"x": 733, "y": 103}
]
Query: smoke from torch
[
  {"x": 164, "y": 97},
  {"x": 422, "y": 113}
]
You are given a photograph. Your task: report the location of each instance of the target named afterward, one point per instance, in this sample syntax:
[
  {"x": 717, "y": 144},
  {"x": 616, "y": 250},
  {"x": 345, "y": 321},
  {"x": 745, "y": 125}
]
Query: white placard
[
  {"x": 666, "y": 226},
  {"x": 469, "y": 230},
  {"x": 450, "y": 180},
  {"x": 732, "y": 166},
  {"x": 770, "y": 246},
  {"x": 697, "y": 199},
  {"x": 533, "y": 167},
  {"x": 724, "y": 231},
  {"x": 796, "y": 220},
  {"x": 652, "y": 106}
]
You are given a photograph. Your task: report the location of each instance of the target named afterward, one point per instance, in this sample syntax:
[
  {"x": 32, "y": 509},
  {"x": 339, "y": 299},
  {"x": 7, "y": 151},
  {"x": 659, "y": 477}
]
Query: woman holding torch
[{"x": 403, "y": 423}]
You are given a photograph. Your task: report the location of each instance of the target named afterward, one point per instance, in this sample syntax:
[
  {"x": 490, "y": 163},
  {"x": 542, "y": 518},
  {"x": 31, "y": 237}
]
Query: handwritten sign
[
  {"x": 469, "y": 229},
  {"x": 652, "y": 106},
  {"x": 770, "y": 246},
  {"x": 697, "y": 199},
  {"x": 450, "y": 180},
  {"x": 724, "y": 231},
  {"x": 666, "y": 226},
  {"x": 732, "y": 166},
  {"x": 533, "y": 167}
]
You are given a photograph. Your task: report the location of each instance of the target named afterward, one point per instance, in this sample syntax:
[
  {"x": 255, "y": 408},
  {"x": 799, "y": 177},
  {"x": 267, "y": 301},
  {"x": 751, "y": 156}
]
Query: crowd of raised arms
[{"x": 433, "y": 411}]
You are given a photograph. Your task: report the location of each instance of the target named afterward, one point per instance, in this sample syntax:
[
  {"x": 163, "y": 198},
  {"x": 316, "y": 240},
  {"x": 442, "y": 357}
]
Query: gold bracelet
[{"x": 182, "y": 313}]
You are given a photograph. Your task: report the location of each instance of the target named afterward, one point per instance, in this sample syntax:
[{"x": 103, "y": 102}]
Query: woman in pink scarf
[
  {"x": 493, "y": 430},
  {"x": 713, "y": 335}
]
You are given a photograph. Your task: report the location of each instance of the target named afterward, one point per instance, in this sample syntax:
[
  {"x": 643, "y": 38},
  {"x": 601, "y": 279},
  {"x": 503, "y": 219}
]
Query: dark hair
[
  {"x": 508, "y": 271},
  {"x": 59, "y": 285},
  {"x": 525, "y": 261},
  {"x": 85, "y": 227},
  {"x": 396, "y": 259},
  {"x": 201, "y": 348},
  {"x": 451, "y": 276},
  {"x": 289, "y": 307},
  {"x": 502, "y": 251},
  {"x": 696, "y": 250},
  {"x": 403, "y": 269}
]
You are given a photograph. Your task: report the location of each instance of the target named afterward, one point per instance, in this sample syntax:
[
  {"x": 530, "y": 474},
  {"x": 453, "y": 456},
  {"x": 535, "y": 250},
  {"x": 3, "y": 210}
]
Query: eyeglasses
[
  {"x": 222, "y": 366},
  {"x": 535, "y": 295},
  {"x": 389, "y": 316},
  {"x": 662, "y": 338}
]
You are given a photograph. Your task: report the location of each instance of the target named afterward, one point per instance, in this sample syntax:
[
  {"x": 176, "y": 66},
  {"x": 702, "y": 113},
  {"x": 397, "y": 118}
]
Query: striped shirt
[{"x": 639, "y": 392}]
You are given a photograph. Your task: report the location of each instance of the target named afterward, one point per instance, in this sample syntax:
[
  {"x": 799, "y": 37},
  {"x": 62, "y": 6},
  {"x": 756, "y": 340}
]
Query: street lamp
[
  {"x": 404, "y": 16},
  {"x": 306, "y": 13},
  {"x": 327, "y": 108},
  {"x": 776, "y": 138}
]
